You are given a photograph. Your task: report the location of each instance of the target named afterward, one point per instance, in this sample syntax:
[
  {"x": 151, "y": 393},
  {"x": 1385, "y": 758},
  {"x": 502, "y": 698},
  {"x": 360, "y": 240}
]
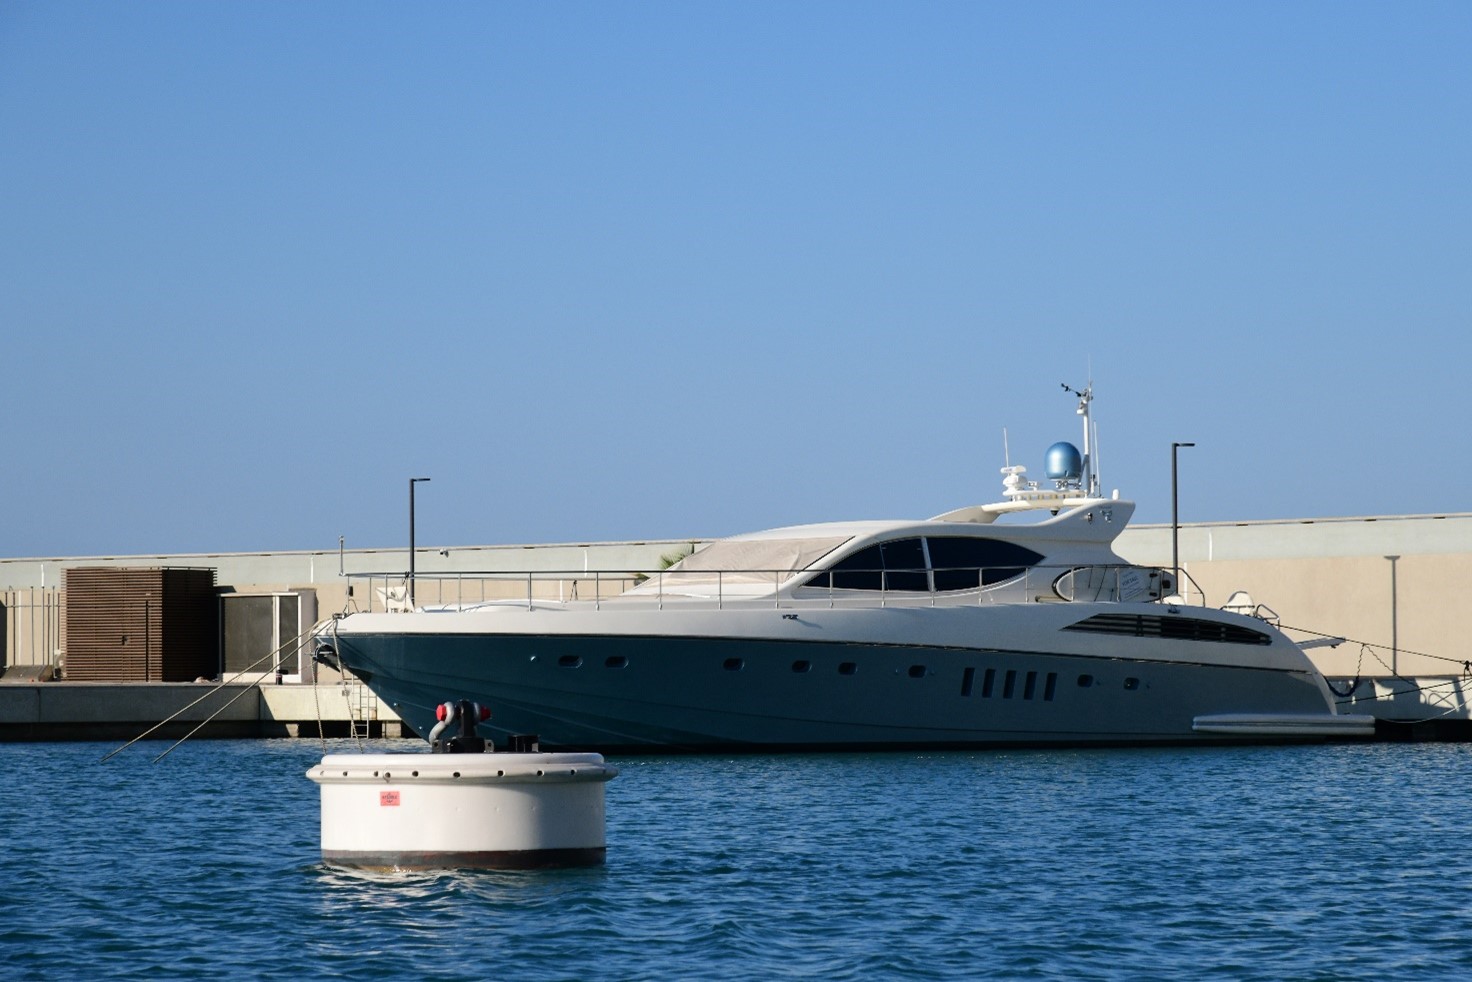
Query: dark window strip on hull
[{"x": 1169, "y": 628}]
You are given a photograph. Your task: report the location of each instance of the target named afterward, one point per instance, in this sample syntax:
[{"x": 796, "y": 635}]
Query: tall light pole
[
  {"x": 1394, "y": 640},
  {"x": 1175, "y": 517},
  {"x": 412, "y": 481}
]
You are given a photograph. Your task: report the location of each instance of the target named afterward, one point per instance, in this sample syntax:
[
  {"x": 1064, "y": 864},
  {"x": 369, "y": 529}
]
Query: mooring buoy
[{"x": 465, "y": 809}]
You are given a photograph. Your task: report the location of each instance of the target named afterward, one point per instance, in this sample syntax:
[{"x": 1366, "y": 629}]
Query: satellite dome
[{"x": 1063, "y": 462}]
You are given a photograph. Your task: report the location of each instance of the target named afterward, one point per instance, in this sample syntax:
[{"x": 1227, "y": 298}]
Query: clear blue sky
[{"x": 627, "y": 271}]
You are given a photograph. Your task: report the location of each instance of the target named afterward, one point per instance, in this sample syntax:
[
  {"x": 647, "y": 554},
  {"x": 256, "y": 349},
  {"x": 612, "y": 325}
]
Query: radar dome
[{"x": 1063, "y": 462}]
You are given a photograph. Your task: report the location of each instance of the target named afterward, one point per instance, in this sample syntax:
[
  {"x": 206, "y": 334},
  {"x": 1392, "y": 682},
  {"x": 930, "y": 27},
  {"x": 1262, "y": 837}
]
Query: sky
[{"x": 632, "y": 271}]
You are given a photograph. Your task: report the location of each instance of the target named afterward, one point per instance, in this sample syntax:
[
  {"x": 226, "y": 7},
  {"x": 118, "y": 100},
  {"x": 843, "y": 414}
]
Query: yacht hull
[{"x": 797, "y": 686}]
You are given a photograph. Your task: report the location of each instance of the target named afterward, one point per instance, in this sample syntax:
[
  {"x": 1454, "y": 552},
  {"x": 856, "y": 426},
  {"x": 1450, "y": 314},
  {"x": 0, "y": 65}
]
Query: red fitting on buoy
[
  {"x": 442, "y": 711},
  {"x": 485, "y": 712}
]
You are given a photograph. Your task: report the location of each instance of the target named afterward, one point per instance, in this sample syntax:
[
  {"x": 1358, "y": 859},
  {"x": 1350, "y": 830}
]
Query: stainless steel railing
[{"x": 770, "y": 587}]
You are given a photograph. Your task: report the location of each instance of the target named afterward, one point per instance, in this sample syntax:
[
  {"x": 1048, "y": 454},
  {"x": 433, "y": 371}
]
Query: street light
[
  {"x": 1394, "y": 639},
  {"x": 1175, "y": 517},
  {"x": 412, "y": 481}
]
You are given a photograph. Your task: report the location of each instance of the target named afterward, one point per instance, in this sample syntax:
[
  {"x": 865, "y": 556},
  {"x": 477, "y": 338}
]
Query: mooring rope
[
  {"x": 1355, "y": 682},
  {"x": 218, "y": 687},
  {"x": 1412, "y": 687},
  {"x": 1466, "y": 666},
  {"x": 316, "y": 694},
  {"x": 345, "y": 686},
  {"x": 206, "y": 721},
  {"x": 347, "y": 695},
  {"x": 1348, "y": 698}
]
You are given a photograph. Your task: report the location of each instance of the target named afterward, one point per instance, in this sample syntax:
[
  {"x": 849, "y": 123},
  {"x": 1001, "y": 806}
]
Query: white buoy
[
  {"x": 461, "y": 807},
  {"x": 493, "y": 810}
]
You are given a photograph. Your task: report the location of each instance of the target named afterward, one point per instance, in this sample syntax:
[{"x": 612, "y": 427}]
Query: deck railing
[{"x": 764, "y": 587}]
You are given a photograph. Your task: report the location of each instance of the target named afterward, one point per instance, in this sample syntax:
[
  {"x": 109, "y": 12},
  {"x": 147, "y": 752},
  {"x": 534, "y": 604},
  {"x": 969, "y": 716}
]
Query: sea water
[{"x": 1318, "y": 862}]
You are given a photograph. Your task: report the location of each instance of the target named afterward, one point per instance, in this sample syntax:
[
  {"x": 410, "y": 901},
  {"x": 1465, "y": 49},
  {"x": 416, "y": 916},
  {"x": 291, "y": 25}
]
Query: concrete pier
[
  {"x": 1423, "y": 708},
  {"x": 122, "y": 711}
]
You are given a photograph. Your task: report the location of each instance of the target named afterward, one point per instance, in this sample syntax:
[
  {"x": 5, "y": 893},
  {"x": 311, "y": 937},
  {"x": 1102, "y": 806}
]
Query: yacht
[{"x": 1012, "y": 623}]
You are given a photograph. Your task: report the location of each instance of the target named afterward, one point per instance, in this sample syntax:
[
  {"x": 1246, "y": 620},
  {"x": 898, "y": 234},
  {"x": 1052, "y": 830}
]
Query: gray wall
[{"x": 1333, "y": 576}]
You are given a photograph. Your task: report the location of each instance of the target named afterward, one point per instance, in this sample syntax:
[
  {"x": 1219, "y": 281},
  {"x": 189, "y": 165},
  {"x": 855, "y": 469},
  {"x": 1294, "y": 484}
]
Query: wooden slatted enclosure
[{"x": 126, "y": 624}]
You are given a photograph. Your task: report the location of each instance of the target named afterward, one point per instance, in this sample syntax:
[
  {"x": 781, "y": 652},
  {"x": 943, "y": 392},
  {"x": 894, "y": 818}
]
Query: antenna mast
[{"x": 1085, "y": 398}]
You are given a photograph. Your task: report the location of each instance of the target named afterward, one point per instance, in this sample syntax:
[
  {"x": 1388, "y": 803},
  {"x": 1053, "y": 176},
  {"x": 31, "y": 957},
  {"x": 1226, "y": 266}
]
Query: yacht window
[
  {"x": 864, "y": 570},
  {"x": 964, "y": 562},
  {"x": 892, "y": 566},
  {"x": 904, "y": 565},
  {"x": 848, "y": 668}
]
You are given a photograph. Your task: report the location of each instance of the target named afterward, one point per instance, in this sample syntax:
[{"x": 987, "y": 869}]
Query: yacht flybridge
[{"x": 968, "y": 629}]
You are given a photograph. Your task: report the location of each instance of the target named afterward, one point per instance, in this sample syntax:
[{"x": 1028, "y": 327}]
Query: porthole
[
  {"x": 988, "y": 683},
  {"x": 1084, "y": 681},
  {"x": 1131, "y": 684},
  {"x": 615, "y": 661},
  {"x": 801, "y": 666},
  {"x": 917, "y": 671},
  {"x": 734, "y": 664},
  {"x": 1030, "y": 685},
  {"x": 847, "y": 668},
  {"x": 1050, "y": 686},
  {"x": 968, "y": 678},
  {"x": 570, "y": 661},
  {"x": 1009, "y": 683}
]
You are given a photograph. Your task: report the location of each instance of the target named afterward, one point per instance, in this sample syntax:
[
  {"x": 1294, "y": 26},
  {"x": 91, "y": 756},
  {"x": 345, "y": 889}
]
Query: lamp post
[
  {"x": 1175, "y": 516},
  {"x": 1394, "y": 640},
  {"x": 412, "y": 481}
]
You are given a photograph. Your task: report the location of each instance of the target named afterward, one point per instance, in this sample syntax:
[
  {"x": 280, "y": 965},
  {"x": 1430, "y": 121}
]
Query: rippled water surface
[{"x": 1340, "y": 862}]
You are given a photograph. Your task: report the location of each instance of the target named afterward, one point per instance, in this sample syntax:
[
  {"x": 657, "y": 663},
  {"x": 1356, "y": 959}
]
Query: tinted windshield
[{"x": 956, "y": 563}]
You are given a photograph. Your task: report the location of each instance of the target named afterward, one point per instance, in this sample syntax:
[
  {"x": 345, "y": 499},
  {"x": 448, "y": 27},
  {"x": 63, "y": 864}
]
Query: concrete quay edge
[{"x": 124, "y": 710}]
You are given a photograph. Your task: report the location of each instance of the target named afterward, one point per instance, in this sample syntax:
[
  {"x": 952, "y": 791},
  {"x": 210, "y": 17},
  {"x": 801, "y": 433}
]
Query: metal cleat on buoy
[
  {"x": 466, "y": 741},
  {"x": 461, "y": 807}
]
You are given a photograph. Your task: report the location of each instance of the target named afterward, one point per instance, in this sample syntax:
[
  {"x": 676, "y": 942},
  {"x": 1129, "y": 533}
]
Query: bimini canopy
[{"x": 752, "y": 560}]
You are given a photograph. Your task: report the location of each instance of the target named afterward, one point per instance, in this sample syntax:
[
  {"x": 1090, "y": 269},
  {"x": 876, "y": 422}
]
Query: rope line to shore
[
  {"x": 1466, "y": 666},
  {"x": 1348, "y": 698},
  {"x": 218, "y": 687}
]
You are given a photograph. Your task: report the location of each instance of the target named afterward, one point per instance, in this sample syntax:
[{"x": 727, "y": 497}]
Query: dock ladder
[{"x": 362, "y": 706}]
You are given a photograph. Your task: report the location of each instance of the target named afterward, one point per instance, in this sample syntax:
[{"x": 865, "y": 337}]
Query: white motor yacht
[{"x": 975, "y": 628}]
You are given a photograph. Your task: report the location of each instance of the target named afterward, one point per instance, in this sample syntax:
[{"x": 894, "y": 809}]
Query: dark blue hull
[{"x": 663, "y": 694}]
